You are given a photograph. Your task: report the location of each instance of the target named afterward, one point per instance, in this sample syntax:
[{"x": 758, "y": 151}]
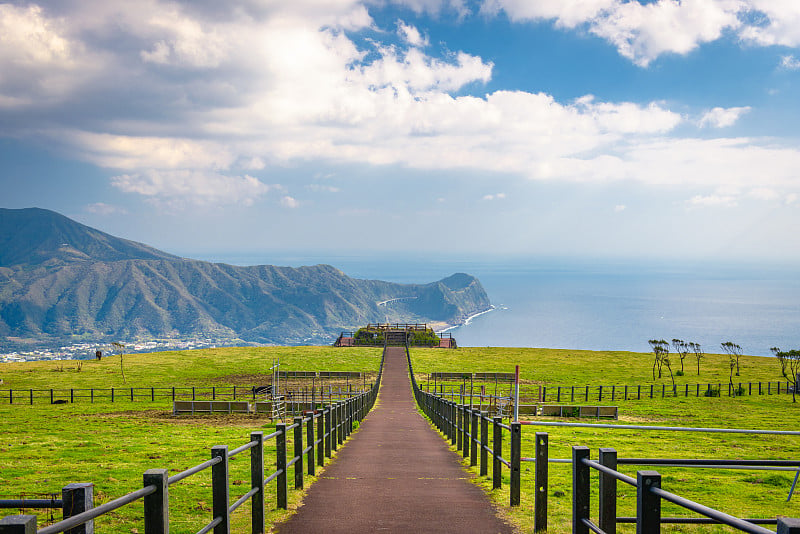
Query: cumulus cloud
[
  {"x": 289, "y": 202},
  {"x": 619, "y": 208},
  {"x": 722, "y": 117},
  {"x": 206, "y": 95},
  {"x": 184, "y": 187},
  {"x": 495, "y": 196},
  {"x": 411, "y": 34}
]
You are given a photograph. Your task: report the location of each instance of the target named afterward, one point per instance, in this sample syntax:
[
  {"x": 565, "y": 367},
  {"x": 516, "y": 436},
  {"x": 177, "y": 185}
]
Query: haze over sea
[{"x": 602, "y": 304}]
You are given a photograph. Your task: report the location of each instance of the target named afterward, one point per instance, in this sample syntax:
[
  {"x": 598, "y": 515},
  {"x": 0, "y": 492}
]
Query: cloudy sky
[{"x": 618, "y": 128}]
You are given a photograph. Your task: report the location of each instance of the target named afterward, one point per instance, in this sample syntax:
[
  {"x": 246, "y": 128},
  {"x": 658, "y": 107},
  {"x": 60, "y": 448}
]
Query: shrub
[{"x": 711, "y": 392}]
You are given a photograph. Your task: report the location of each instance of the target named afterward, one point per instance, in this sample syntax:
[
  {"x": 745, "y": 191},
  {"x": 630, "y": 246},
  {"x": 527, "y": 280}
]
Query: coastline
[{"x": 468, "y": 320}]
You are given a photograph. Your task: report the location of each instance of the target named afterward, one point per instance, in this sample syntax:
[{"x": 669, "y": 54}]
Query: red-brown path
[{"x": 396, "y": 474}]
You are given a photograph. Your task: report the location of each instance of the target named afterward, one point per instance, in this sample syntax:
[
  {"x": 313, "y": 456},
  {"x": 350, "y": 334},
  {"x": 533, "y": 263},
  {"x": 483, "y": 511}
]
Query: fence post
[
  {"x": 310, "y": 443},
  {"x": 473, "y": 457},
  {"x": 467, "y": 434},
  {"x": 327, "y": 435},
  {"x": 320, "y": 439},
  {"x": 220, "y": 488},
  {"x": 459, "y": 426},
  {"x": 788, "y": 525},
  {"x": 580, "y": 490},
  {"x": 516, "y": 457},
  {"x": 497, "y": 452},
  {"x": 648, "y": 505},
  {"x": 257, "y": 481},
  {"x": 608, "y": 492},
  {"x": 156, "y": 505},
  {"x": 484, "y": 443},
  {"x": 340, "y": 423},
  {"x": 453, "y": 422},
  {"x": 280, "y": 462},
  {"x": 18, "y": 524},
  {"x": 76, "y": 498},
  {"x": 298, "y": 453},
  {"x": 540, "y": 496}
]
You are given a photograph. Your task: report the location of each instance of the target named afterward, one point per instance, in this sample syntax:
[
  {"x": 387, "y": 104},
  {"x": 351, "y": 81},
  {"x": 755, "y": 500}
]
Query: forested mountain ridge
[{"x": 61, "y": 279}]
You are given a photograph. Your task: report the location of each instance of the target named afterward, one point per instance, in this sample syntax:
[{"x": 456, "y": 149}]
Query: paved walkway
[{"x": 396, "y": 474}]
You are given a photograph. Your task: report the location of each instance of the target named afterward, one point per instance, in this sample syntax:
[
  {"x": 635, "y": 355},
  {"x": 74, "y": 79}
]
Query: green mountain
[{"x": 60, "y": 279}]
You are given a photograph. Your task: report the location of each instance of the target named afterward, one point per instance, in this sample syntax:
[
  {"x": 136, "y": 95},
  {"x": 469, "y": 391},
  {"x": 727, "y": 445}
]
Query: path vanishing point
[{"x": 396, "y": 474}]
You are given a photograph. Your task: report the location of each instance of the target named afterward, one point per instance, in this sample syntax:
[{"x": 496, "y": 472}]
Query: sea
[{"x": 599, "y": 304}]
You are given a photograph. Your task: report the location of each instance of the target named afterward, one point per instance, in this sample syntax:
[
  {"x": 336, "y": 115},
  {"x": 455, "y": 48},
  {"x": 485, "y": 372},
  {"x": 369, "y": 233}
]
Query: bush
[
  {"x": 679, "y": 373},
  {"x": 711, "y": 392}
]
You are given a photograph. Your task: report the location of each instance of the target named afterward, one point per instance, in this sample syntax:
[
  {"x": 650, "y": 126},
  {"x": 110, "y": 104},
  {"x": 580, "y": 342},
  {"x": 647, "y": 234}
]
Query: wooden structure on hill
[{"x": 396, "y": 334}]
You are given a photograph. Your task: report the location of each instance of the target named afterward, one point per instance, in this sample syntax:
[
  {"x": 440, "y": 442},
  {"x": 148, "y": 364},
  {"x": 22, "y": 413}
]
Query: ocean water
[{"x": 615, "y": 305}]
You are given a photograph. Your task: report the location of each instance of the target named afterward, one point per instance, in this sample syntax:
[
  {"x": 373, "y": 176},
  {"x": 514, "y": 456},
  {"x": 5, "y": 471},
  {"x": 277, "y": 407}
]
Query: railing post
[
  {"x": 497, "y": 452},
  {"x": 516, "y": 457},
  {"x": 459, "y": 426},
  {"x": 473, "y": 439},
  {"x": 220, "y": 487},
  {"x": 484, "y": 443},
  {"x": 77, "y": 498},
  {"x": 340, "y": 423},
  {"x": 608, "y": 492},
  {"x": 321, "y": 439},
  {"x": 580, "y": 490},
  {"x": 453, "y": 423},
  {"x": 540, "y": 497},
  {"x": 156, "y": 505},
  {"x": 280, "y": 463},
  {"x": 648, "y": 505},
  {"x": 328, "y": 414},
  {"x": 788, "y": 525},
  {"x": 18, "y": 524},
  {"x": 298, "y": 453},
  {"x": 466, "y": 431},
  {"x": 257, "y": 481},
  {"x": 310, "y": 443}
]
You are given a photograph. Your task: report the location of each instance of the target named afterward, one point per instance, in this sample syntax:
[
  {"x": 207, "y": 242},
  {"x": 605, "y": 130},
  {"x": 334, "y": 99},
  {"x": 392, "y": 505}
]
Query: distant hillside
[{"x": 61, "y": 279}]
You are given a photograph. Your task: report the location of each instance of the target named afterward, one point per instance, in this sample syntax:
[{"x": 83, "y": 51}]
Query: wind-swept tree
[
  {"x": 681, "y": 349},
  {"x": 660, "y": 349},
  {"x": 698, "y": 353},
  {"x": 790, "y": 367},
  {"x": 733, "y": 351}
]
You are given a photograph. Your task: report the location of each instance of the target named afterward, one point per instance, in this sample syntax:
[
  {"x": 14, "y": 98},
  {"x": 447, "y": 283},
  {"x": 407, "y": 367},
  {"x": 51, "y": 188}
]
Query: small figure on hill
[{"x": 98, "y": 354}]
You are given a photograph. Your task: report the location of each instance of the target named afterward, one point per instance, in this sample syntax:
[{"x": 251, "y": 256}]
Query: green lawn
[{"x": 44, "y": 447}]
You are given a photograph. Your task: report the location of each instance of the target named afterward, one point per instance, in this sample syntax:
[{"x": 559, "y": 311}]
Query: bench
[
  {"x": 611, "y": 412},
  {"x": 194, "y": 407}
]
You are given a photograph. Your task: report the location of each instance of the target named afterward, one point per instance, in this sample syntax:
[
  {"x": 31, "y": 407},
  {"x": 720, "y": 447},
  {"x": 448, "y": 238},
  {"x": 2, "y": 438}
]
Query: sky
[{"x": 563, "y": 128}]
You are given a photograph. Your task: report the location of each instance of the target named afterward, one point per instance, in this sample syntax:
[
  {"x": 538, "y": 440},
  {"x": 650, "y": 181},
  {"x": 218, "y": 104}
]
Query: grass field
[
  {"x": 741, "y": 493},
  {"x": 43, "y": 447}
]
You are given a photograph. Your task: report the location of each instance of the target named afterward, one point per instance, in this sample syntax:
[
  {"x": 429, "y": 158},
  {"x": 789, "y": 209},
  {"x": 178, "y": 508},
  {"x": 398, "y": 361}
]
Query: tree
[
  {"x": 698, "y": 353},
  {"x": 733, "y": 351},
  {"x": 790, "y": 367},
  {"x": 666, "y": 361},
  {"x": 681, "y": 349},
  {"x": 660, "y": 350},
  {"x": 121, "y": 348}
]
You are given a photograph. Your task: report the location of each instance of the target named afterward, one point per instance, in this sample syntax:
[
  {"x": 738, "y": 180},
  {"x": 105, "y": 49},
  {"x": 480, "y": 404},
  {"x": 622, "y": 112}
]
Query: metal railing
[
  {"x": 324, "y": 429},
  {"x": 649, "y": 495},
  {"x": 467, "y": 429}
]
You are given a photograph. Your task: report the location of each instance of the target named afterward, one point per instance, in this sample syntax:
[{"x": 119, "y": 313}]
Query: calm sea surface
[{"x": 582, "y": 304}]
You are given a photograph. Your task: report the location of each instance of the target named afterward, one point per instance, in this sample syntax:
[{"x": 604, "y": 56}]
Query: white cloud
[
  {"x": 184, "y": 187},
  {"x": 619, "y": 208},
  {"x": 790, "y": 62},
  {"x": 725, "y": 201},
  {"x": 496, "y": 196},
  {"x": 763, "y": 193},
  {"x": 722, "y": 117},
  {"x": 289, "y": 202},
  {"x": 779, "y": 23},
  {"x": 411, "y": 34}
]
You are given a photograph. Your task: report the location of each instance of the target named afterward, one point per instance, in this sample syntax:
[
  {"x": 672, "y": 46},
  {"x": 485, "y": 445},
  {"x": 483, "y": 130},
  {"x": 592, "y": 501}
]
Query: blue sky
[{"x": 585, "y": 128}]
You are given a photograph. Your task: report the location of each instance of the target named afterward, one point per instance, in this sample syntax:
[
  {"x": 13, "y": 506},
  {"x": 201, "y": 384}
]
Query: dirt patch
[{"x": 165, "y": 416}]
